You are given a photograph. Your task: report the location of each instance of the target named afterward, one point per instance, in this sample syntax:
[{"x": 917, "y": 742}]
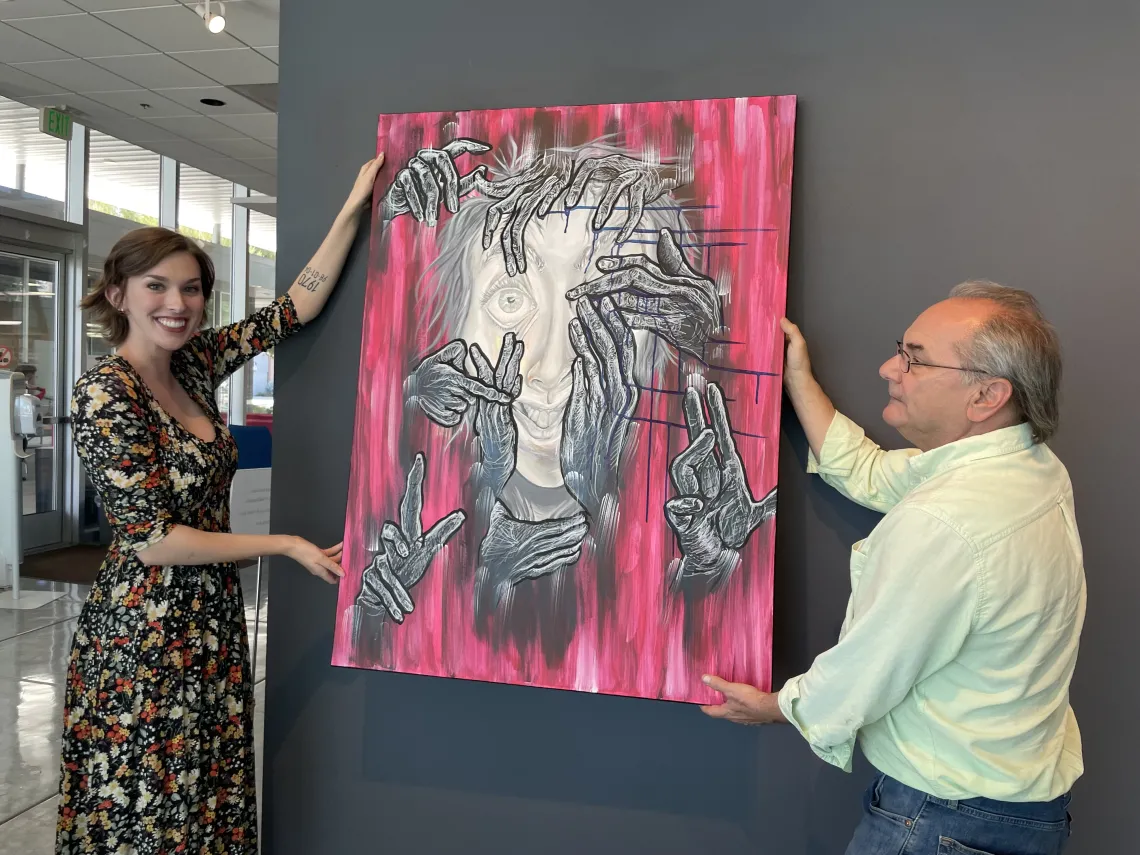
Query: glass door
[{"x": 30, "y": 289}]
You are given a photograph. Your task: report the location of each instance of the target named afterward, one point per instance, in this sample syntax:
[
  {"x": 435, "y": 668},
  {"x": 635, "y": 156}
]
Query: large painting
[{"x": 565, "y": 445}]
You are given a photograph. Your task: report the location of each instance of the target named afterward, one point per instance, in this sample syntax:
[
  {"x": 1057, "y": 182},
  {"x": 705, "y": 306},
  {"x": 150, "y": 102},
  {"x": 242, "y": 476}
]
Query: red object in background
[{"x": 631, "y": 636}]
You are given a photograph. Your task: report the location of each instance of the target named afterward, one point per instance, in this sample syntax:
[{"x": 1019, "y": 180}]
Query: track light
[{"x": 215, "y": 21}]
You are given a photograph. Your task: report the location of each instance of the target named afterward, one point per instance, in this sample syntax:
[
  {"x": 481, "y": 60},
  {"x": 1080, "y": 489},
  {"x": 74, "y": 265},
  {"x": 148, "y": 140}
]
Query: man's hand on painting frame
[
  {"x": 667, "y": 297},
  {"x": 713, "y": 514},
  {"x": 743, "y": 704},
  {"x": 430, "y": 179},
  {"x": 599, "y": 414},
  {"x": 404, "y": 553}
]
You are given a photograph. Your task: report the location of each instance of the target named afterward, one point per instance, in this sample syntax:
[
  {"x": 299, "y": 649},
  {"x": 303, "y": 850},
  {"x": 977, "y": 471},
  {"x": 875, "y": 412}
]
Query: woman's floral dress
[{"x": 158, "y": 730}]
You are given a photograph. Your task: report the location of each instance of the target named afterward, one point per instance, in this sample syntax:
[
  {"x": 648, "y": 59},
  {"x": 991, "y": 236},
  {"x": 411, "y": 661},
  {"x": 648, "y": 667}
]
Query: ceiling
[{"x": 139, "y": 69}]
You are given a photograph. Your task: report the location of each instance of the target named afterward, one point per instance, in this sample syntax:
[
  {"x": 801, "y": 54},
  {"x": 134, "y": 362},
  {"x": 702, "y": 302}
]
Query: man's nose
[{"x": 890, "y": 370}]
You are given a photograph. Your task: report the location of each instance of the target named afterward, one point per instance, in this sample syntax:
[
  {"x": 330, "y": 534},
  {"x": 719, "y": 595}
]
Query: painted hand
[
  {"x": 713, "y": 513},
  {"x": 518, "y": 200},
  {"x": 494, "y": 421},
  {"x": 516, "y": 550},
  {"x": 743, "y": 704},
  {"x": 404, "y": 553},
  {"x": 667, "y": 297},
  {"x": 603, "y": 398},
  {"x": 431, "y": 178},
  {"x": 642, "y": 182},
  {"x": 441, "y": 387}
]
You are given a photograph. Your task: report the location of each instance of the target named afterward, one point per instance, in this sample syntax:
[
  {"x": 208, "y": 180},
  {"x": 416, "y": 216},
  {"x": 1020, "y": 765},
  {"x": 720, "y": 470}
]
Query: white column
[
  {"x": 239, "y": 297},
  {"x": 168, "y": 193},
  {"x": 70, "y": 337}
]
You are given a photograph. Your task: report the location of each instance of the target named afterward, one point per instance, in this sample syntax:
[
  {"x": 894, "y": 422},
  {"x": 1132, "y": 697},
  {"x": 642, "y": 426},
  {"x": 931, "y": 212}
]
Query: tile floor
[{"x": 34, "y": 646}]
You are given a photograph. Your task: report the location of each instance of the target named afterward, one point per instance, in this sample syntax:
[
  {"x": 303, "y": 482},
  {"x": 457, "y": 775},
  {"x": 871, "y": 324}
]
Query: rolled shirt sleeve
[
  {"x": 859, "y": 469},
  {"x": 915, "y": 597}
]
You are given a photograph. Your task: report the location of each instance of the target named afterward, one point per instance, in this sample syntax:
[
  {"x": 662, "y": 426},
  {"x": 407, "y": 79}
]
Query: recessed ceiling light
[{"x": 213, "y": 102}]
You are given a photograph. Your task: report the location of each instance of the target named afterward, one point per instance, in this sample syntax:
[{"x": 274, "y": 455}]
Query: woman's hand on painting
[
  {"x": 714, "y": 512},
  {"x": 322, "y": 563},
  {"x": 667, "y": 297},
  {"x": 642, "y": 183},
  {"x": 515, "y": 550},
  {"x": 603, "y": 398},
  {"x": 360, "y": 197},
  {"x": 431, "y": 179},
  {"x": 441, "y": 387},
  {"x": 404, "y": 553},
  {"x": 494, "y": 421}
]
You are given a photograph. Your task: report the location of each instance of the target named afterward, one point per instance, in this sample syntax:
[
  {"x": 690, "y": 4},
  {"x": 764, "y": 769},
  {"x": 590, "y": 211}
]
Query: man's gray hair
[{"x": 1018, "y": 344}]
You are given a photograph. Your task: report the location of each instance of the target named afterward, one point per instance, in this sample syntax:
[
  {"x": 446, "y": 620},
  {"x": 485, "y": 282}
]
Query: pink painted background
[{"x": 642, "y": 640}]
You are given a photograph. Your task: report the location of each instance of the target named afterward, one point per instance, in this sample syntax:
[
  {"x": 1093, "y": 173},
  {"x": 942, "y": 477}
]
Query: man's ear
[{"x": 989, "y": 399}]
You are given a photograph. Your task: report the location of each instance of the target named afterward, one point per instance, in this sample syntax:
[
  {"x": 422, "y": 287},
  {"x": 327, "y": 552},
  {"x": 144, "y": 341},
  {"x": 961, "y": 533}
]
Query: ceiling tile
[
  {"x": 219, "y": 165},
  {"x": 185, "y": 150},
  {"x": 12, "y": 9},
  {"x": 170, "y": 28},
  {"x": 257, "y": 181},
  {"x": 106, "y": 5},
  {"x": 18, "y": 84},
  {"x": 262, "y": 164},
  {"x": 272, "y": 53},
  {"x": 194, "y": 127},
  {"x": 243, "y": 65},
  {"x": 234, "y": 104},
  {"x": 76, "y": 75},
  {"x": 252, "y": 23},
  {"x": 17, "y": 46},
  {"x": 83, "y": 35},
  {"x": 153, "y": 70},
  {"x": 139, "y": 132},
  {"x": 240, "y": 147},
  {"x": 131, "y": 101},
  {"x": 260, "y": 126}
]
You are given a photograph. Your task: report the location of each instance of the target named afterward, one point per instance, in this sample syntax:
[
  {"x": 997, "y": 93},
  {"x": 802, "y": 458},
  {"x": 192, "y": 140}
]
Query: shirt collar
[{"x": 970, "y": 450}]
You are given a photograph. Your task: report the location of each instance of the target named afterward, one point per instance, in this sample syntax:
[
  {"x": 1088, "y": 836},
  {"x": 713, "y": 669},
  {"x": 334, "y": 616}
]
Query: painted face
[
  {"x": 561, "y": 251},
  {"x": 164, "y": 305}
]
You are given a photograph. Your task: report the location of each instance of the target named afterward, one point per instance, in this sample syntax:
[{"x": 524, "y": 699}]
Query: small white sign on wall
[{"x": 249, "y": 501}]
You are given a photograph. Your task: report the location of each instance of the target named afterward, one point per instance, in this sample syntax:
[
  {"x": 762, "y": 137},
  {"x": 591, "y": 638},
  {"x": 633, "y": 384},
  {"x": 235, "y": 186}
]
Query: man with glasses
[{"x": 953, "y": 664}]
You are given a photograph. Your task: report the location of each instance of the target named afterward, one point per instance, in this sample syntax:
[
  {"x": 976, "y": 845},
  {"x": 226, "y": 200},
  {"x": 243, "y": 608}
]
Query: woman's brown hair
[{"x": 134, "y": 254}]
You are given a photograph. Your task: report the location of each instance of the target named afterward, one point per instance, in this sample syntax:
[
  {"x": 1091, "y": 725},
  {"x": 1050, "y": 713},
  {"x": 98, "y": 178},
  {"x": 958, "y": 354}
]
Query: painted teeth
[{"x": 543, "y": 417}]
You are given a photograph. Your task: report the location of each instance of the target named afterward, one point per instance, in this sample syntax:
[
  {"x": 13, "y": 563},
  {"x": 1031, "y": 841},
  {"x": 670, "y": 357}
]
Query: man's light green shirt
[{"x": 967, "y": 600}]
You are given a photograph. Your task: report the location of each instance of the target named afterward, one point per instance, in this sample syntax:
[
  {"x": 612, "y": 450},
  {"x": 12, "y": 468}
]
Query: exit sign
[{"x": 55, "y": 123}]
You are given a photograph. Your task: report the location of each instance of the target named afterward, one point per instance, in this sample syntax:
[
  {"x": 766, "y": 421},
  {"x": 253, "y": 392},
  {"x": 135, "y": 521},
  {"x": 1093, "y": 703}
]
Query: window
[
  {"x": 33, "y": 166},
  {"x": 205, "y": 213},
  {"x": 122, "y": 195},
  {"x": 262, "y": 292}
]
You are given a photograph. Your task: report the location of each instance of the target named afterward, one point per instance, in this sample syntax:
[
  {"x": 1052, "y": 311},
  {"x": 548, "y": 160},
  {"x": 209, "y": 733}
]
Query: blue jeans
[{"x": 899, "y": 820}]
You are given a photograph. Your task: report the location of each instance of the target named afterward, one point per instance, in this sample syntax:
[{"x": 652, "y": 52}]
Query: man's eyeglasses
[{"x": 908, "y": 361}]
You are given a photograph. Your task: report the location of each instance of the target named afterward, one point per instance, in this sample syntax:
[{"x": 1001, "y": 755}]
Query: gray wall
[{"x": 935, "y": 142}]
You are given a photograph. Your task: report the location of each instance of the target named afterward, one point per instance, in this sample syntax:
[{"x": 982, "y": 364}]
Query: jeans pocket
[
  {"x": 946, "y": 846},
  {"x": 875, "y": 805}
]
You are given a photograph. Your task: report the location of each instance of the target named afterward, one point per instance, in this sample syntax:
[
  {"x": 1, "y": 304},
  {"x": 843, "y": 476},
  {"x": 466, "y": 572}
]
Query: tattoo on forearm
[{"x": 311, "y": 279}]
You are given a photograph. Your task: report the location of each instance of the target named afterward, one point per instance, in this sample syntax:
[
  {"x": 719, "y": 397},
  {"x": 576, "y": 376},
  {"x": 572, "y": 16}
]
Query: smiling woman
[{"x": 159, "y": 677}]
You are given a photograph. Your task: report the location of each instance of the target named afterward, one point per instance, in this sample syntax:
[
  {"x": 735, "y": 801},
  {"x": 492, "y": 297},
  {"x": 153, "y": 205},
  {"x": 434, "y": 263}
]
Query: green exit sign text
[{"x": 55, "y": 123}]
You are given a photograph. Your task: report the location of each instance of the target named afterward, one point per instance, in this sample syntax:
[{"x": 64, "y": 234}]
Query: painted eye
[{"x": 510, "y": 307}]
